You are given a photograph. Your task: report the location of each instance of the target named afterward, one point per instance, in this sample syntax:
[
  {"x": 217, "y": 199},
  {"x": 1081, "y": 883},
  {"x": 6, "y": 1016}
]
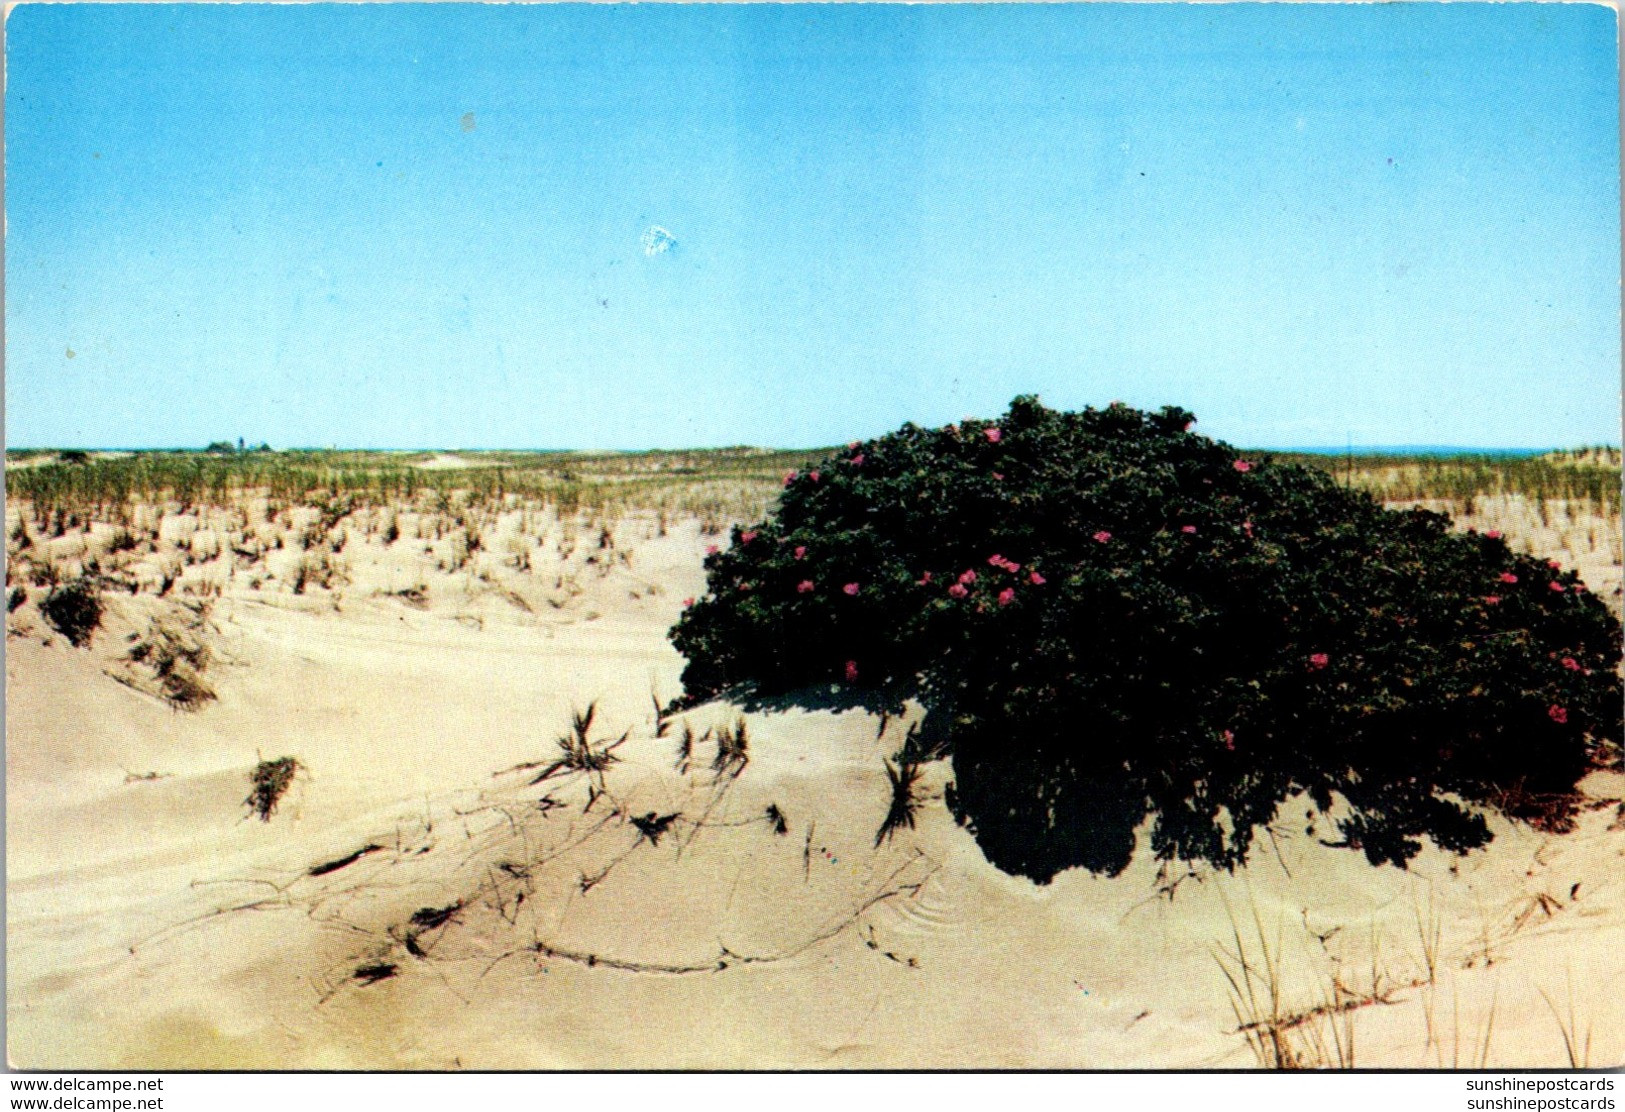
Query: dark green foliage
[
  {"x": 74, "y": 610},
  {"x": 1109, "y": 617}
]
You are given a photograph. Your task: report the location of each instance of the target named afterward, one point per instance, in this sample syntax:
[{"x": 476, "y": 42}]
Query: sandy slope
[{"x": 153, "y": 924}]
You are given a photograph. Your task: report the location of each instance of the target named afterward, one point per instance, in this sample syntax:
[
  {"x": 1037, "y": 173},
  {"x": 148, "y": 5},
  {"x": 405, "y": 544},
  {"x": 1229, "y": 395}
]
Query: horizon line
[{"x": 1337, "y": 450}]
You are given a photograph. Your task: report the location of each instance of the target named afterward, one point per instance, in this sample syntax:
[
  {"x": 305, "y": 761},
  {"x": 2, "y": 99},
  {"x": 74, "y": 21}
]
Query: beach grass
[{"x": 717, "y": 485}]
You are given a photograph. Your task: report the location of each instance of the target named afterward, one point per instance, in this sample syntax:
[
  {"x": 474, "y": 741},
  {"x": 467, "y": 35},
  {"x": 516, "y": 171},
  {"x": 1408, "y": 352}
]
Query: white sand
[{"x": 153, "y": 925}]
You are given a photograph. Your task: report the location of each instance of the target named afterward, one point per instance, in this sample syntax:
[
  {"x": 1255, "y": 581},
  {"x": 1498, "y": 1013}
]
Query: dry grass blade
[
  {"x": 1577, "y": 1050},
  {"x": 733, "y": 749},
  {"x": 685, "y": 749},
  {"x": 1330, "y": 1031},
  {"x": 1429, "y": 929},
  {"x": 1255, "y": 994},
  {"x": 1489, "y": 1033},
  {"x": 581, "y": 722}
]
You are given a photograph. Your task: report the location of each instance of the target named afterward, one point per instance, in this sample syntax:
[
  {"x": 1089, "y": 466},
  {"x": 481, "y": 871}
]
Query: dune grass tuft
[
  {"x": 74, "y": 610},
  {"x": 905, "y": 800},
  {"x": 271, "y": 781},
  {"x": 733, "y": 749}
]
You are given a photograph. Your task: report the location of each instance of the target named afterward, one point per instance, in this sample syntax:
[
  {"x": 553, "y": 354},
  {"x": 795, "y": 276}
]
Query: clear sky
[{"x": 638, "y": 226}]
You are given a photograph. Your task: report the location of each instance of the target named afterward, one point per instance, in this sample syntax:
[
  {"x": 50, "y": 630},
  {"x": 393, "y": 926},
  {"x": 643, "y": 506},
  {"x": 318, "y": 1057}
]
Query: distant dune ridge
[{"x": 442, "y": 884}]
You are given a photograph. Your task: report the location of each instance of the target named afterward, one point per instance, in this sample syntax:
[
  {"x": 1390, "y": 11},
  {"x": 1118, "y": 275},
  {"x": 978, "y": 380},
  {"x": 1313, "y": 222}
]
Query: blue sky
[{"x": 430, "y": 225}]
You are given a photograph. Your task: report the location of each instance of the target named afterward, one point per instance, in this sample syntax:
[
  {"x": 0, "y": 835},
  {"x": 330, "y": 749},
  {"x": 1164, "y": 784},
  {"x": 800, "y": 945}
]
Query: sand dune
[{"x": 419, "y": 899}]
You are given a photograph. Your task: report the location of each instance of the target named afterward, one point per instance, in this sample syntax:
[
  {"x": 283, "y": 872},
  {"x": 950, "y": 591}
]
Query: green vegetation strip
[{"x": 728, "y": 481}]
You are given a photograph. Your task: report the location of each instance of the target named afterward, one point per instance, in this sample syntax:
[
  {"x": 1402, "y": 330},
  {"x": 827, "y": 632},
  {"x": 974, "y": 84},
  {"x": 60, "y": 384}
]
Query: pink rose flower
[
  {"x": 1247, "y": 527},
  {"x": 1557, "y": 586},
  {"x": 711, "y": 550},
  {"x": 804, "y": 586},
  {"x": 687, "y": 602},
  {"x": 814, "y": 475},
  {"x": 1103, "y": 536},
  {"x": 1036, "y": 580},
  {"x": 1188, "y": 529},
  {"x": 968, "y": 577},
  {"x": 1492, "y": 599},
  {"x": 999, "y": 475},
  {"x": 1571, "y": 664},
  {"x": 801, "y": 552},
  {"x": 996, "y": 560},
  {"x": 1007, "y": 596},
  {"x": 851, "y": 671},
  {"x": 958, "y": 590},
  {"x": 746, "y": 538},
  {"x": 924, "y": 579},
  {"x": 857, "y": 460},
  {"x": 1508, "y": 577},
  {"x": 1229, "y": 740},
  {"x": 789, "y": 477},
  {"x": 1494, "y": 534},
  {"x": 1242, "y": 465},
  {"x": 1557, "y": 714},
  {"x": 994, "y": 434},
  {"x": 850, "y": 588},
  {"x": 1318, "y": 660}
]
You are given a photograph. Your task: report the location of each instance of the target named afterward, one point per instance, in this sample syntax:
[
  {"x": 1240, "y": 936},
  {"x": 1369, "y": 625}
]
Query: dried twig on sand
[
  {"x": 378, "y": 971},
  {"x": 348, "y": 859},
  {"x": 652, "y": 826}
]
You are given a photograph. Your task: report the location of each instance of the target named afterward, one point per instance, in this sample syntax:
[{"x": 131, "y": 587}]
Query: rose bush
[{"x": 1107, "y": 616}]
